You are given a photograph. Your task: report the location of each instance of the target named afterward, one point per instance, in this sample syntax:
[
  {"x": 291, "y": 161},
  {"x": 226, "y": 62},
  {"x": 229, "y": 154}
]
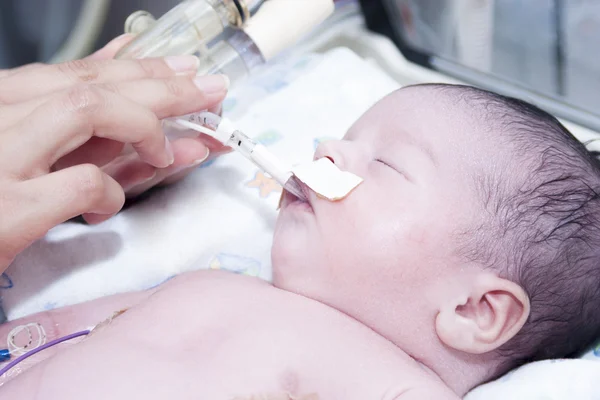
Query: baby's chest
[
  {"x": 193, "y": 342},
  {"x": 268, "y": 364},
  {"x": 251, "y": 348},
  {"x": 221, "y": 365}
]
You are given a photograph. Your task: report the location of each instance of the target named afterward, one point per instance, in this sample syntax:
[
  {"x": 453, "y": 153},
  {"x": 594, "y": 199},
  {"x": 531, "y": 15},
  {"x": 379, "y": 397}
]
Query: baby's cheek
[{"x": 419, "y": 236}]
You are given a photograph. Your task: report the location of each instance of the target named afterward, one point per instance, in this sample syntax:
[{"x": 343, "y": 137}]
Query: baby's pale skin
[{"x": 216, "y": 335}]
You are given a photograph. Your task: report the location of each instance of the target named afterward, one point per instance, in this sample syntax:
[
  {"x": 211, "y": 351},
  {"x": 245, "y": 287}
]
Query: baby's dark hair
[{"x": 542, "y": 228}]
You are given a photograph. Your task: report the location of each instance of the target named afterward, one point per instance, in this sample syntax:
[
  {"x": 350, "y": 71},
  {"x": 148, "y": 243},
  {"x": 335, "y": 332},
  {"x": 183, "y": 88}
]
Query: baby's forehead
[
  {"x": 423, "y": 110},
  {"x": 457, "y": 132}
]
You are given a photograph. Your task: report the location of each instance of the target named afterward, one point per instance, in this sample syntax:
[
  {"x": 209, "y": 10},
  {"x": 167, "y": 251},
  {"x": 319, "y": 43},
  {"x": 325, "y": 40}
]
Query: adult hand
[
  {"x": 190, "y": 150},
  {"x": 66, "y": 132}
]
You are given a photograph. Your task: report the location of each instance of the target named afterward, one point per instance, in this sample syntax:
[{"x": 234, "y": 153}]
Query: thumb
[{"x": 112, "y": 48}]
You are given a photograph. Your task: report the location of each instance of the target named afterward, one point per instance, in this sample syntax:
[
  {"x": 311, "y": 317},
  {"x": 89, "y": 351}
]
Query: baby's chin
[
  {"x": 285, "y": 278},
  {"x": 289, "y": 262},
  {"x": 282, "y": 257}
]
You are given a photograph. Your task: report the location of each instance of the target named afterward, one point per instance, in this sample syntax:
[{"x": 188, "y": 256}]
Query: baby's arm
[{"x": 59, "y": 323}]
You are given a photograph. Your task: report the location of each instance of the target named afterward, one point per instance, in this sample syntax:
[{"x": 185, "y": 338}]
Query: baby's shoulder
[
  {"x": 219, "y": 280},
  {"x": 412, "y": 381},
  {"x": 320, "y": 347}
]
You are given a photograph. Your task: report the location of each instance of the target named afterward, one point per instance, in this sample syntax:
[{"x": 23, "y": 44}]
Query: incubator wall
[{"x": 540, "y": 47}]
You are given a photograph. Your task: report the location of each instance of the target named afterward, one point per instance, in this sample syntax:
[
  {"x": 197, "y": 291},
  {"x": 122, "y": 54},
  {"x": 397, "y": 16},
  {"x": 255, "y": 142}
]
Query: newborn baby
[{"x": 469, "y": 249}]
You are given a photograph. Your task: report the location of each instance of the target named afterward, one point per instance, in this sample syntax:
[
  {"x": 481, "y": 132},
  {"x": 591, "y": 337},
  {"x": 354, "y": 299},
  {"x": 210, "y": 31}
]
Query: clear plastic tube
[
  {"x": 236, "y": 57},
  {"x": 185, "y": 29},
  {"x": 240, "y": 142}
]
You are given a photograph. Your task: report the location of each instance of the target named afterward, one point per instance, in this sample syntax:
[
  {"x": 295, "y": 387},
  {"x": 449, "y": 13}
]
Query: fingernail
[
  {"x": 183, "y": 63},
  {"x": 201, "y": 160},
  {"x": 122, "y": 37},
  {"x": 146, "y": 179},
  {"x": 212, "y": 83},
  {"x": 191, "y": 165},
  {"x": 140, "y": 181},
  {"x": 119, "y": 39},
  {"x": 170, "y": 153},
  {"x": 218, "y": 110}
]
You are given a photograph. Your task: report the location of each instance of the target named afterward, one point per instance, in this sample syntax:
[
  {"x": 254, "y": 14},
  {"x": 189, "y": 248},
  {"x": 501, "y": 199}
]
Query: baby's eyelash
[
  {"x": 399, "y": 171},
  {"x": 384, "y": 163}
]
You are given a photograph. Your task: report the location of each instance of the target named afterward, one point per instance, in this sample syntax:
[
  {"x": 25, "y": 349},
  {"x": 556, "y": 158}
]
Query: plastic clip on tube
[{"x": 255, "y": 152}]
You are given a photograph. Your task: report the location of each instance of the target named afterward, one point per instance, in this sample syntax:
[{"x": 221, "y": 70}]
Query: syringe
[{"x": 223, "y": 131}]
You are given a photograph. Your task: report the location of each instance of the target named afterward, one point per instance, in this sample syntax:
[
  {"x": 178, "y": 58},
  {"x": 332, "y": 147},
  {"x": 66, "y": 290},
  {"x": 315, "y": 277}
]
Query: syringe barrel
[
  {"x": 183, "y": 30},
  {"x": 236, "y": 57}
]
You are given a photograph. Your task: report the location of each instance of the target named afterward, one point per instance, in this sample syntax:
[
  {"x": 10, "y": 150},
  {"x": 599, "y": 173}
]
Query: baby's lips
[
  {"x": 284, "y": 195},
  {"x": 305, "y": 189}
]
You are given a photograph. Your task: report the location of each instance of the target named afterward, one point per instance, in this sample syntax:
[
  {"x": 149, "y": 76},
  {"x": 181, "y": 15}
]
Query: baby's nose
[{"x": 328, "y": 150}]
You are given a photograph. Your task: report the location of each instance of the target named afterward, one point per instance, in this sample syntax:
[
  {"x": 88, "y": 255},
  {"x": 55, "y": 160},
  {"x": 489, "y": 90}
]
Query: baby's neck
[
  {"x": 459, "y": 372},
  {"x": 413, "y": 335}
]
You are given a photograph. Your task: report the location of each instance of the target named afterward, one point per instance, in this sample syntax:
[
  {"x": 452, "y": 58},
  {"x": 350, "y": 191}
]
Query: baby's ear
[{"x": 484, "y": 319}]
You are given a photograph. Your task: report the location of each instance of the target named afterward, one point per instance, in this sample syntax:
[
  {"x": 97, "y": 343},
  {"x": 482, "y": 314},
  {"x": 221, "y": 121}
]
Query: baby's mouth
[{"x": 288, "y": 199}]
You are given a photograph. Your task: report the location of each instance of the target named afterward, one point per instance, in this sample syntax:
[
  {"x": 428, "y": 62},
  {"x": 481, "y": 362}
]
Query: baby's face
[{"x": 390, "y": 242}]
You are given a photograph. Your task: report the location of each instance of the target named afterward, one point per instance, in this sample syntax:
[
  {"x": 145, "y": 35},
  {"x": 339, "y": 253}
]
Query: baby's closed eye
[
  {"x": 379, "y": 160},
  {"x": 393, "y": 168}
]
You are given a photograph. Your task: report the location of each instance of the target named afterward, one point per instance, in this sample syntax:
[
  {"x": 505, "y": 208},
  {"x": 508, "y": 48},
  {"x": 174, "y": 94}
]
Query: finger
[
  {"x": 189, "y": 154},
  {"x": 62, "y": 125},
  {"x": 215, "y": 149},
  {"x": 48, "y": 79},
  {"x": 62, "y": 195},
  {"x": 97, "y": 151},
  {"x": 217, "y": 110},
  {"x": 175, "y": 131},
  {"x": 112, "y": 48},
  {"x": 106, "y": 53},
  {"x": 175, "y": 96},
  {"x": 5, "y": 73},
  {"x": 61, "y": 322},
  {"x": 166, "y": 97},
  {"x": 173, "y": 178},
  {"x": 135, "y": 176},
  {"x": 129, "y": 171},
  {"x": 192, "y": 153}
]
